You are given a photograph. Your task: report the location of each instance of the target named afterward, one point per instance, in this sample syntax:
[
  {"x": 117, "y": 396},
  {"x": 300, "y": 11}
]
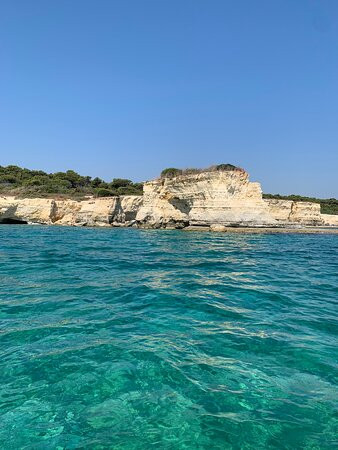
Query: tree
[
  {"x": 96, "y": 182},
  {"x": 101, "y": 192},
  {"x": 120, "y": 182}
]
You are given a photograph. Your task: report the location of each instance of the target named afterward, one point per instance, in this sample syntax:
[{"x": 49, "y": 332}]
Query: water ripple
[{"x": 133, "y": 339}]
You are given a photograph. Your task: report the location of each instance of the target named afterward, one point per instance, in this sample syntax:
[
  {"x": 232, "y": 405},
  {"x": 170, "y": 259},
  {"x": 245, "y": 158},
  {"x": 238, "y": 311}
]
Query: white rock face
[
  {"x": 225, "y": 198},
  {"x": 65, "y": 212},
  {"x": 288, "y": 211},
  {"x": 38, "y": 210},
  {"x": 91, "y": 212},
  {"x": 330, "y": 220},
  {"x": 210, "y": 200}
]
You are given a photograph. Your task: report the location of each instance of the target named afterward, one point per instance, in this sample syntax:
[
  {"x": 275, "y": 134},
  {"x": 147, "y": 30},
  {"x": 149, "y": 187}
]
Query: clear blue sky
[{"x": 125, "y": 88}]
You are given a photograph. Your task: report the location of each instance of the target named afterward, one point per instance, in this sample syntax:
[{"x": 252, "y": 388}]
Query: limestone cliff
[
  {"x": 221, "y": 198},
  {"x": 218, "y": 197},
  {"x": 330, "y": 220},
  {"x": 214, "y": 199},
  {"x": 91, "y": 212},
  {"x": 97, "y": 211},
  {"x": 288, "y": 211},
  {"x": 36, "y": 210}
]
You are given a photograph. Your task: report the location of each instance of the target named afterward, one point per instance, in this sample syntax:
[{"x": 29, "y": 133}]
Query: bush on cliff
[
  {"x": 128, "y": 190},
  {"x": 226, "y": 167},
  {"x": 29, "y": 183},
  {"x": 120, "y": 182},
  {"x": 36, "y": 183},
  {"x": 102, "y": 192},
  {"x": 171, "y": 172}
]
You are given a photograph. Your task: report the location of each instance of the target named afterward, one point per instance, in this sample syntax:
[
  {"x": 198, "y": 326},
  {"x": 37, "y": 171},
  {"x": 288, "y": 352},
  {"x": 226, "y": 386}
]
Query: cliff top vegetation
[
  {"x": 17, "y": 181},
  {"x": 172, "y": 172},
  {"x": 21, "y": 182}
]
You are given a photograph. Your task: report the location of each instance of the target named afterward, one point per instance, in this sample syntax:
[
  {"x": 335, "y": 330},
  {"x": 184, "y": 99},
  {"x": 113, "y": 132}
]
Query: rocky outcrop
[
  {"x": 330, "y": 220},
  {"x": 212, "y": 200},
  {"x": 90, "y": 212},
  {"x": 126, "y": 210},
  {"x": 218, "y": 197},
  {"x": 288, "y": 211},
  {"x": 37, "y": 210}
]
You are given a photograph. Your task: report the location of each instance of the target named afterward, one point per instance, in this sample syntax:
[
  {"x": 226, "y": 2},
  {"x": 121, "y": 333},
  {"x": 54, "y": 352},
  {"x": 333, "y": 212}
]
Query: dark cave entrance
[{"x": 7, "y": 221}]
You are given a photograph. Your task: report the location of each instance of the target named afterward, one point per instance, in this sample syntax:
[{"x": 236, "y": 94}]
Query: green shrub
[
  {"x": 8, "y": 179},
  {"x": 128, "y": 190},
  {"x": 24, "y": 182},
  {"x": 96, "y": 182},
  {"x": 36, "y": 181},
  {"x": 138, "y": 187},
  {"x": 120, "y": 182},
  {"x": 226, "y": 167},
  {"x": 171, "y": 172},
  {"x": 102, "y": 192}
]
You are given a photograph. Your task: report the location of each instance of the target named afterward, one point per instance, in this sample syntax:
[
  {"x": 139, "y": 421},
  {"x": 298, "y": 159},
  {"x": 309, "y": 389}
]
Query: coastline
[
  {"x": 215, "y": 200},
  {"x": 196, "y": 228},
  {"x": 266, "y": 230}
]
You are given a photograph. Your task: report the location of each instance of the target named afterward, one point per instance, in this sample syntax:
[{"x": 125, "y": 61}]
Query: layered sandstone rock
[
  {"x": 288, "y": 211},
  {"x": 36, "y": 210},
  {"x": 218, "y": 197},
  {"x": 91, "y": 212},
  {"x": 330, "y": 220},
  {"x": 126, "y": 210},
  {"x": 207, "y": 200}
]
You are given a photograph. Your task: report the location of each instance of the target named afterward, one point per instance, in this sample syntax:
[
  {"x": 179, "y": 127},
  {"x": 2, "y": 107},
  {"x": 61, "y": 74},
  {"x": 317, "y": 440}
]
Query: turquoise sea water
[{"x": 131, "y": 339}]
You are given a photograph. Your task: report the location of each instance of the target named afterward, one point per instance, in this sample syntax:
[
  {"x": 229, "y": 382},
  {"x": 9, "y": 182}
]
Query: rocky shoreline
[
  {"x": 216, "y": 201},
  {"x": 266, "y": 230}
]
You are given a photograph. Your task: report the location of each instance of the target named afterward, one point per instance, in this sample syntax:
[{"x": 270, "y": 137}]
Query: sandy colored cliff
[
  {"x": 210, "y": 199},
  {"x": 91, "y": 212},
  {"x": 35, "y": 210},
  {"x": 288, "y": 211},
  {"x": 219, "y": 197},
  {"x": 330, "y": 220}
]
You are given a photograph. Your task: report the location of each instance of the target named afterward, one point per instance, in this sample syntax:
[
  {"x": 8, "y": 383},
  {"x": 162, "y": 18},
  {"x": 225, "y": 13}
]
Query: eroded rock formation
[
  {"x": 212, "y": 199},
  {"x": 330, "y": 220},
  {"x": 91, "y": 212},
  {"x": 288, "y": 211},
  {"x": 218, "y": 197},
  {"x": 36, "y": 210}
]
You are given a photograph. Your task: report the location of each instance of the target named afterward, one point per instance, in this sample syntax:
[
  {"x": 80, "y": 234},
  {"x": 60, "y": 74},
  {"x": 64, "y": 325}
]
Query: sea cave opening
[{"x": 8, "y": 221}]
